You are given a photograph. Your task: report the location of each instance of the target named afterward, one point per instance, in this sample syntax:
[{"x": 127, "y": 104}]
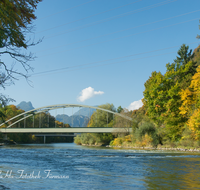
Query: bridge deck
[{"x": 65, "y": 130}]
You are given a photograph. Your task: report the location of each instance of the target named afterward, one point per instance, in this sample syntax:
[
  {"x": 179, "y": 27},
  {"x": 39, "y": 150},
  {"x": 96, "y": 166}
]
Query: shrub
[
  {"x": 77, "y": 140},
  {"x": 147, "y": 133}
]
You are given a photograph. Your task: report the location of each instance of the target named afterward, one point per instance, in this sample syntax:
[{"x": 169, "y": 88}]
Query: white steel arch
[{"x": 58, "y": 106}]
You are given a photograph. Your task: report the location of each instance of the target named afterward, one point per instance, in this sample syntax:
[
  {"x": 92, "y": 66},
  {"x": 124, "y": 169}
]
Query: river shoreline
[
  {"x": 147, "y": 148},
  {"x": 152, "y": 148},
  {"x": 191, "y": 149}
]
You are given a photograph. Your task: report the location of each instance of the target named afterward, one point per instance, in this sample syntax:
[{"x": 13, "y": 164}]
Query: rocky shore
[
  {"x": 160, "y": 148},
  {"x": 148, "y": 148},
  {"x": 92, "y": 145}
]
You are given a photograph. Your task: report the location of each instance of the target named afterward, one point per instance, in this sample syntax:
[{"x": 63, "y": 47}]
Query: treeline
[
  {"x": 170, "y": 116},
  {"x": 104, "y": 119},
  {"x": 172, "y": 99},
  {"x": 98, "y": 119},
  {"x": 43, "y": 119}
]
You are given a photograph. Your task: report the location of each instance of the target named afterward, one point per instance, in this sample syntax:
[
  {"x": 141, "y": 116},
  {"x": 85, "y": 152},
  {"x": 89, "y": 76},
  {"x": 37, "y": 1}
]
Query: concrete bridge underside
[{"x": 65, "y": 130}]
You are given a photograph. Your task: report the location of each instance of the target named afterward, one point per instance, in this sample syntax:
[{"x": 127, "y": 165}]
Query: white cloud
[
  {"x": 88, "y": 93},
  {"x": 135, "y": 105}
]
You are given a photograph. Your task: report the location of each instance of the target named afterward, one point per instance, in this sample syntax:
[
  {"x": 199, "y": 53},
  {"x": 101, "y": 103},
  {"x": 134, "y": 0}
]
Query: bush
[
  {"x": 147, "y": 133},
  {"x": 187, "y": 139},
  {"x": 77, "y": 139},
  {"x": 146, "y": 141},
  {"x": 117, "y": 141},
  {"x": 146, "y": 128},
  {"x": 93, "y": 139}
]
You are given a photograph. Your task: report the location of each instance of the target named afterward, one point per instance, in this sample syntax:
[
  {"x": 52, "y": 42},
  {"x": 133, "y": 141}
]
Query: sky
[{"x": 95, "y": 52}]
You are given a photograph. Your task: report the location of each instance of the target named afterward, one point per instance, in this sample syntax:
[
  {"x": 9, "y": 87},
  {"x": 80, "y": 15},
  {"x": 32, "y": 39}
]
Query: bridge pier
[
  {"x": 5, "y": 136},
  {"x": 44, "y": 139}
]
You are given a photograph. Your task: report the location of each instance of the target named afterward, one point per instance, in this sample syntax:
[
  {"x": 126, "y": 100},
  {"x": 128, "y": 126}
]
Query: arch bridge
[{"x": 23, "y": 116}]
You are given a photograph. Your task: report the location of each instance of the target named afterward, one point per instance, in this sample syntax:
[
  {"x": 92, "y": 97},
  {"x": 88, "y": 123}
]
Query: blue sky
[{"x": 102, "y": 51}]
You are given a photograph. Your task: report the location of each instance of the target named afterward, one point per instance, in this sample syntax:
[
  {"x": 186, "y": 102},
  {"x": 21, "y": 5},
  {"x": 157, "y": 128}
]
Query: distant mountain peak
[
  {"x": 74, "y": 120},
  {"x": 26, "y": 106},
  {"x": 85, "y": 111}
]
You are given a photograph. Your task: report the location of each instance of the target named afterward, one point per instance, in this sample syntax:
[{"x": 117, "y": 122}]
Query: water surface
[{"x": 69, "y": 166}]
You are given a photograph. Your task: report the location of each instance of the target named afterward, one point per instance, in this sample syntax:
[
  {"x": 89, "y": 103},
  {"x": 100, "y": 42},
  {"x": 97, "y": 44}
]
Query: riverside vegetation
[{"x": 170, "y": 115}]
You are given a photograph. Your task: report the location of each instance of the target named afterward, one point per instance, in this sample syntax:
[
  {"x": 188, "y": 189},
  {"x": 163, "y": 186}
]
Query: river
[{"x": 69, "y": 166}]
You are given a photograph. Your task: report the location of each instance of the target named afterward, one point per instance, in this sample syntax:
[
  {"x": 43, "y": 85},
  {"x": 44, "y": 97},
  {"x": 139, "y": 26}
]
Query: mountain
[
  {"x": 79, "y": 119},
  {"x": 73, "y": 121},
  {"x": 26, "y": 106},
  {"x": 85, "y": 112}
]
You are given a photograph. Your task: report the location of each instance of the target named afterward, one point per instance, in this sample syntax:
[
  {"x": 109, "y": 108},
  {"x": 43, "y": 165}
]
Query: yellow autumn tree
[
  {"x": 194, "y": 124},
  {"x": 187, "y": 96},
  {"x": 191, "y": 105}
]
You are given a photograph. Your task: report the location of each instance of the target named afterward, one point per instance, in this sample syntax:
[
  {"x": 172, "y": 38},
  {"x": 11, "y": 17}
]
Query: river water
[{"x": 69, "y": 166}]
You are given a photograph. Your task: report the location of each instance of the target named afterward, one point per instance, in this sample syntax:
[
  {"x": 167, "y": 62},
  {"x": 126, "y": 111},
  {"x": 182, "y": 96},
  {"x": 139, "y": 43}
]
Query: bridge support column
[
  {"x": 44, "y": 139},
  {"x": 5, "y": 137}
]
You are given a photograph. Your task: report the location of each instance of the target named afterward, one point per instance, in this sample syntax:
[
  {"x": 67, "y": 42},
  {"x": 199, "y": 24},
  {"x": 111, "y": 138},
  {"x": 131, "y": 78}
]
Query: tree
[
  {"x": 10, "y": 111},
  {"x": 120, "y": 122},
  {"x": 196, "y": 58},
  {"x": 184, "y": 55},
  {"x": 15, "y": 23},
  {"x": 119, "y": 109},
  {"x": 162, "y": 93},
  {"x": 99, "y": 118},
  {"x": 155, "y": 96},
  {"x": 191, "y": 105}
]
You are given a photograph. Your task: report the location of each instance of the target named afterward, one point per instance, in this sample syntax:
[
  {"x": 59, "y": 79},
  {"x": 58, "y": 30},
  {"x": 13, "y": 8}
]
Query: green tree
[
  {"x": 120, "y": 122},
  {"x": 196, "y": 58},
  {"x": 98, "y": 119},
  {"x": 155, "y": 96},
  {"x": 15, "y": 23},
  {"x": 184, "y": 55},
  {"x": 139, "y": 117},
  {"x": 101, "y": 118},
  {"x": 119, "y": 109}
]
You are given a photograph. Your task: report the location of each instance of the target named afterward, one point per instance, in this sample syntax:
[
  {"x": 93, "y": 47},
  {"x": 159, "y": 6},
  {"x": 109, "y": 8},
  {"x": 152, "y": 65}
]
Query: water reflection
[{"x": 174, "y": 172}]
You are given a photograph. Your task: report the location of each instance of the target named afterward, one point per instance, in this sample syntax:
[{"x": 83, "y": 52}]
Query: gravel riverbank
[{"x": 150, "y": 148}]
